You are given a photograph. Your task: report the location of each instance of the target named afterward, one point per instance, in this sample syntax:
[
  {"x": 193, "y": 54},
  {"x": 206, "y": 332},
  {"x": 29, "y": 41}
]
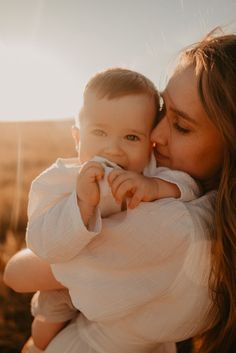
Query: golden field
[{"x": 26, "y": 149}]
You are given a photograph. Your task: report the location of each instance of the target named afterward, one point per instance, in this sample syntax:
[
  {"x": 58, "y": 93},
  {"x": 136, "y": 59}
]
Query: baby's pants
[{"x": 53, "y": 306}]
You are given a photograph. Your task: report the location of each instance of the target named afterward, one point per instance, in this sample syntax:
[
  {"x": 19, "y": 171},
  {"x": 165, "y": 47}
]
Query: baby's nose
[{"x": 113, "y": 147}]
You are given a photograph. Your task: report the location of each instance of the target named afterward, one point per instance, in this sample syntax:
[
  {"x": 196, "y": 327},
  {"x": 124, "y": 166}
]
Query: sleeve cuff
[{"x": 189, "y": 188}]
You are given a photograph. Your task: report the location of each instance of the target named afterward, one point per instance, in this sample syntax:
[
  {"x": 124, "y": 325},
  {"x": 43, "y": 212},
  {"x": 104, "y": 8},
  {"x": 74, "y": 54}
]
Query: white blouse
[{"x": 139, "y": 277}]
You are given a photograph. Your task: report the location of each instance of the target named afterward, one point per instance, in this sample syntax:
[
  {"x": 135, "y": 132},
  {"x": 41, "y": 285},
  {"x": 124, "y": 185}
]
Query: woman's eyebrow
[
  {"x": 184, "y": 115},
  {"x": 176, "y": 111}
]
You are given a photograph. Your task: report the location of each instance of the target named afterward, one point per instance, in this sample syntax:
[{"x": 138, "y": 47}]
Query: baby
[{"x": 114, "y": 172}]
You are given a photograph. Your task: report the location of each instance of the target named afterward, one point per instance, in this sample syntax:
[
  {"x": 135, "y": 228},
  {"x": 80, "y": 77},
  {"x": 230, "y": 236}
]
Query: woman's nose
[{"x": 160, "y": 133}]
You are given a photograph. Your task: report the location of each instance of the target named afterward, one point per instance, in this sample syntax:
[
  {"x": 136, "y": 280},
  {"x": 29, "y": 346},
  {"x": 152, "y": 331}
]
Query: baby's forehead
[
  {"x": 93, "y": 98},
  {"x": 126, "y": 112}
]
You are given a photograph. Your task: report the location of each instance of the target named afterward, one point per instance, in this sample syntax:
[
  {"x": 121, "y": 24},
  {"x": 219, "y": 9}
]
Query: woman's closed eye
[
  {"x": 132, "y": 138},
  {"x": 180, "y": 128}
]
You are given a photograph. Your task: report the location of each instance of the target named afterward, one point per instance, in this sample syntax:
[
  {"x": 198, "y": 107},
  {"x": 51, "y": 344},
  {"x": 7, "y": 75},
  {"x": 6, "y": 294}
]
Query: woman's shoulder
[
  {"x": 201, "y": 212},
  {"x": 169, "y": 210},
  {"x": 184, "y": 233},
  {"x": 194, "y": 213}
]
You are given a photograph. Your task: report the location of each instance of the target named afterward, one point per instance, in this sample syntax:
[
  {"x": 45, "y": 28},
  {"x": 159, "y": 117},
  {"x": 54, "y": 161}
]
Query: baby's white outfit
[
  {"x": 56, "y": 233},
  {"x": 58, "y": 184}
]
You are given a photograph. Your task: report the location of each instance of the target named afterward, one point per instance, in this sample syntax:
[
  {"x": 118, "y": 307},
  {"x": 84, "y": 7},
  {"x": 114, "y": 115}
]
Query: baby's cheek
[{"x": 141, "y": 164}]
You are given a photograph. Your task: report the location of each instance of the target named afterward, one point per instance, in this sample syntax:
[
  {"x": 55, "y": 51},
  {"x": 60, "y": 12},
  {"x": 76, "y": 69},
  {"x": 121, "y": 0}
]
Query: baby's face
[{"x": 117, "y": 129}]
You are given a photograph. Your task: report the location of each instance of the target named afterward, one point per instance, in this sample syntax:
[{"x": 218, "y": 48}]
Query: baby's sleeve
[
  {"x": 189, "y": 188},
  {"x": 55, "y": 230}
]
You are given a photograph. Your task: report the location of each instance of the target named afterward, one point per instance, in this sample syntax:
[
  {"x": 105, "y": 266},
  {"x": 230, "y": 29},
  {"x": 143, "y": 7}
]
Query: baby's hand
[
  {"x": 136, "y": 186},
  {"x": 87, "y": 183}
]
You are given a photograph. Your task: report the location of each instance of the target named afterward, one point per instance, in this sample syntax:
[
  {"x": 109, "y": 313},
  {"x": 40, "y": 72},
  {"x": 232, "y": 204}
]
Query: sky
[{"x": 50, "y": 48}]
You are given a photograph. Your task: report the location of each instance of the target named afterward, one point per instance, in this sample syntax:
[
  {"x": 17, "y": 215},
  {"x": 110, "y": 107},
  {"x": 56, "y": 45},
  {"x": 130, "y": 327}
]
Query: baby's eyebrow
[
  {"x": 136, "y": 132},
  {"x": 97, "y": 124}
]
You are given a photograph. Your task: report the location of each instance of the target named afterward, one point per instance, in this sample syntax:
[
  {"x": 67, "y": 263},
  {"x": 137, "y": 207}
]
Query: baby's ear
[{"x": 75, "y": 134}]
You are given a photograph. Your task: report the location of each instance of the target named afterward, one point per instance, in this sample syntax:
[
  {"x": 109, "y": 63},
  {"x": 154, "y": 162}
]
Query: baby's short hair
[{"x": 119, "y": 82}]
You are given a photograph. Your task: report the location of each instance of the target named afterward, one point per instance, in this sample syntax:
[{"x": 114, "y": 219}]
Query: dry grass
[{"x": 26, "y": 148}]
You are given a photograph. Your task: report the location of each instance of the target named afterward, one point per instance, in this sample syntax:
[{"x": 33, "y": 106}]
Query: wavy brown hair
[{"x": 214, "y": 59}]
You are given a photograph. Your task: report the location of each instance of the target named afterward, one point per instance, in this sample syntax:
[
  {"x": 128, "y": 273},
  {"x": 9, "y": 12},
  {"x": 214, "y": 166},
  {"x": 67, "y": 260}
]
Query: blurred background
[{"x": 48, "y": 51}]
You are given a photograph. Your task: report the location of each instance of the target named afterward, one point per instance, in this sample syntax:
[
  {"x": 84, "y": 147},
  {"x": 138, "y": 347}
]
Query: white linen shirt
[
  {"x": 139, "y": 277},
  {"x": 53, "y": 209}
]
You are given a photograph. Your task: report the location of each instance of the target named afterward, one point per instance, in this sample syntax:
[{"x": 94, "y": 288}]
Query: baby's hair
[{"x": 119, "y": 82}]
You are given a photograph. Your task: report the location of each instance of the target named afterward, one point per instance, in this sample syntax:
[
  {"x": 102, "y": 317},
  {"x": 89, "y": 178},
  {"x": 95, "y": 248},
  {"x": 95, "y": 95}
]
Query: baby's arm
[
  {"x": 139, "y": 187},
  {"x": 59, "y": 212},
  {"x": 26, "y": 272}
]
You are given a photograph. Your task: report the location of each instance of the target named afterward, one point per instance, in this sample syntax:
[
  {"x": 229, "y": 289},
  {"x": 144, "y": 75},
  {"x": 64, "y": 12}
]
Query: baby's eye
[
  {"x": 99, "y": 132},
  {"x": 132, "y": 138}
]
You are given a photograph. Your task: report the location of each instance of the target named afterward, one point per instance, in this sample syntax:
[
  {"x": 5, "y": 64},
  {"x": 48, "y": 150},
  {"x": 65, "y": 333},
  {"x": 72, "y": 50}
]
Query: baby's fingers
[
  {"x": 122, "y": 189},
  {"x": 92, "y": 170},
  {"x": 119, "y": 179},
  {"x": 135, "y": 199},
  {"x": 114, "y": 174},
  {"x": 91, "y": 164}
]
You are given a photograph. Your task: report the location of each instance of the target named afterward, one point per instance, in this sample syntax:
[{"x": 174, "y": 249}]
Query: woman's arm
[{"x": 25, "y": 272}]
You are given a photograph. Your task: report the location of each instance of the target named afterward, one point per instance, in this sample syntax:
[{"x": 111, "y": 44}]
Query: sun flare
[{"x": 35, "y": 85}]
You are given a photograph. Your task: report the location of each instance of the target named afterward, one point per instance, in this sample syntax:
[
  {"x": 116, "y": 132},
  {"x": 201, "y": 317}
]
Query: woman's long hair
[{"x": 214, "y": 59}]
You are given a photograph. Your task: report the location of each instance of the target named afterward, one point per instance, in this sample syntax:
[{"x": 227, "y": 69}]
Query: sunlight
[{"x": 35, "y": 86}]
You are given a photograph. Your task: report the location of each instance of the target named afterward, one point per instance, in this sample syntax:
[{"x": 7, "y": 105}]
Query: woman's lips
[{"x": 160, "y": 156}]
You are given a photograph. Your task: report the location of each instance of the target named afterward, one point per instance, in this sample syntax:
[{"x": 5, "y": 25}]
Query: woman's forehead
[
  {"x": 182, "y": 98},
  {"x": 184, "y": 82},
  {"x": 181, "y": 94}
]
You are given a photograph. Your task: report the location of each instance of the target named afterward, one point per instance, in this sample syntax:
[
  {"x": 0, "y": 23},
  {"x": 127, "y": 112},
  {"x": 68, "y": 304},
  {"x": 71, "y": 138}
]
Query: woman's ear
[{"x": 75, "y": 134}]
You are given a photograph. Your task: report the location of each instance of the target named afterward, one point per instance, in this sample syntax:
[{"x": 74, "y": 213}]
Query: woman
[{"x": 166, "y": 272}]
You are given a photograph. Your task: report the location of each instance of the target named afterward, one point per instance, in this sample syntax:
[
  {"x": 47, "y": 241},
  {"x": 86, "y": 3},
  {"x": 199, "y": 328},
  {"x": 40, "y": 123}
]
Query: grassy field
[{"x": 26, "y": 148}]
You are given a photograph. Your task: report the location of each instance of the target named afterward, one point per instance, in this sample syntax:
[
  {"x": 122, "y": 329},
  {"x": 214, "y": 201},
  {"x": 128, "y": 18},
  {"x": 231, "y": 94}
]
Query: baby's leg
[{"x": 52, "y": 310}]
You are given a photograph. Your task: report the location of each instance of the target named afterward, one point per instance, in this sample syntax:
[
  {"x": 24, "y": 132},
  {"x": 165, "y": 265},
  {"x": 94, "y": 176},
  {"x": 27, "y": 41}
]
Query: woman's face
[{"x": 185, "y": 138}]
